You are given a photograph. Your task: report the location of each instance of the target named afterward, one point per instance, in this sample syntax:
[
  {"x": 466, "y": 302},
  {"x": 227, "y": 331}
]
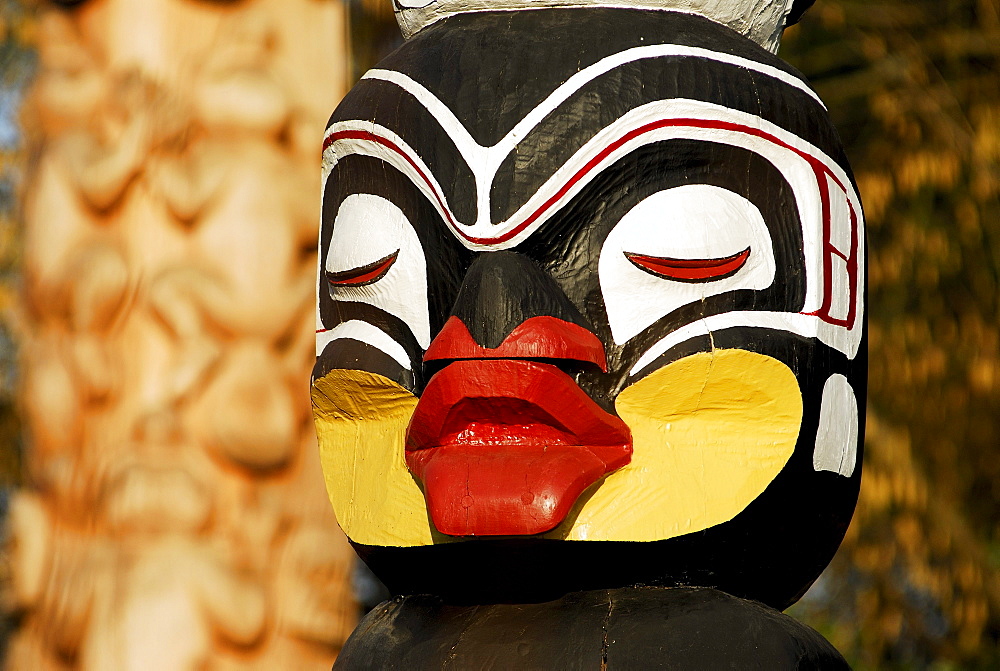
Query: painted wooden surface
[
  {"x": 617, "y": 325},
  {"x": 620, "y": 629}
]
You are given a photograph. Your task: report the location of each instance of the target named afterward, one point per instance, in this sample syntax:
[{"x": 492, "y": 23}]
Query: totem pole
[
  {"x": 591, "y": 340},
  {"x": 175, "y": 521}
]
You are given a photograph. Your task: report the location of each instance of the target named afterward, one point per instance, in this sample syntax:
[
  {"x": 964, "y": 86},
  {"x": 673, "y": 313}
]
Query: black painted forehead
[
  {"x": 493, "y": 68},
  {"x": 532, "y": 88}
]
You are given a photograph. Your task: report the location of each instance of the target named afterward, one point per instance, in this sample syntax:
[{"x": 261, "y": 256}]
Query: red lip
[
  {"x": 537, "y": 337},
  {"x": 506, "y": 446}
]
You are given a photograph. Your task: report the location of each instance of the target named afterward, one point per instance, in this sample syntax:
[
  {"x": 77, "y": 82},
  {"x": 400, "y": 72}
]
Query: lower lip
[{"x": 506, "y": 447}]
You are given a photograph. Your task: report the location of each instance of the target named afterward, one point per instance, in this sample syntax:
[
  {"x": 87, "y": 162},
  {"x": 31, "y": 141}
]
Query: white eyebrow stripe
[
  {"x": 470, "y": 150},
  {"x": 476, "y": 156},
  {"x": 484, "y": 161},
  {"x": 808, "y": 326},
  {"x": 608, "y": 63},
  {"x": 576, "y": 82},
  {"x": 369, "y": 334},
  {"x": 681, "y": 110},
  {"x": 544, "y": 203}
]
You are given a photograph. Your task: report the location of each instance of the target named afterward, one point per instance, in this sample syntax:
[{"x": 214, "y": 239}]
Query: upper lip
[
  {"x": 504, "y": 396},
  {"x": 528, "y": 401},
  {"x": 540, "y": 337}
]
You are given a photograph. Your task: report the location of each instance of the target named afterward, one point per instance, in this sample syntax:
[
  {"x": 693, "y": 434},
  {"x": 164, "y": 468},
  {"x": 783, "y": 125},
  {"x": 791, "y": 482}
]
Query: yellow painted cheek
[
  {"x": 710, "y": 432},
  {"x": 361, "y": 423}
]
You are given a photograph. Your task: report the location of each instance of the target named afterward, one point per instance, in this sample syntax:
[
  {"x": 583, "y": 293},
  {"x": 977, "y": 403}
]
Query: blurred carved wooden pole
[{"x": 178, "y": 518}]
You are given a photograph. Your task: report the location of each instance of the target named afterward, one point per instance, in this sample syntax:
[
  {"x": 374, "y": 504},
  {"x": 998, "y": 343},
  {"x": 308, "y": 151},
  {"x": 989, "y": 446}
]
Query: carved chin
[{"x": 709, "y": 434}]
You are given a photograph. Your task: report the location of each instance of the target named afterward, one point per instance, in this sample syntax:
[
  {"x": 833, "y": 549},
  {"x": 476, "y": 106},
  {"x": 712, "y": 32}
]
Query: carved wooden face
[{"x": 591, "y": 290}]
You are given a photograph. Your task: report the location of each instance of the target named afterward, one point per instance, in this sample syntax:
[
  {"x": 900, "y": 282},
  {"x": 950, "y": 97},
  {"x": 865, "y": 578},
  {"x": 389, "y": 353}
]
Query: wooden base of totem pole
[{"x": 628, "y": 628}]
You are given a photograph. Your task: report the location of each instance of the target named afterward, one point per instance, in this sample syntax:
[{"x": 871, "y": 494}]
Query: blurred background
[{"x": 160, "y": 500}]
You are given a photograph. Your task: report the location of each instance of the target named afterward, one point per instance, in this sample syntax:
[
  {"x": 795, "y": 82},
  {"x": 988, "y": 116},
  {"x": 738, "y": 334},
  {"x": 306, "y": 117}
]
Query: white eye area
[
  {"x": 375, "y": 257},
  {"x": 679, "y": 246}
]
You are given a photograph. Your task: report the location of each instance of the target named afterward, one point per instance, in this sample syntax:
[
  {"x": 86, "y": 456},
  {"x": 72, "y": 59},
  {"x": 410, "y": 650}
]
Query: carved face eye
[
  {"x": 690, "y": 270},
  {"x": 368, "y": 274},
  {"x": 679, "y": 246},
  {"x": 376, "y": 258}
]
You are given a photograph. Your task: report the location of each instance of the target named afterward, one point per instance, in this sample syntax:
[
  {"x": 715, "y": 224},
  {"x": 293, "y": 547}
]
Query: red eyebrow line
[
  {"x": 389, "y": 144},
  {"x": 581, "y": 173},
  {"x": 690, "y": 270}
]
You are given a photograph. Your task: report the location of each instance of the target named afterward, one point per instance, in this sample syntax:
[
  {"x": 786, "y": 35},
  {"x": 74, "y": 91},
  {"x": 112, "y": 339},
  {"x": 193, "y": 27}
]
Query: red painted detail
[
  {"x": 820, "y": 170},
  {"x": 392, "y": 146},
  {"x": 830, "y": 251},
  {"x": 506, "y": 447},
  {"x": 367, "y": 274},
  {"x": 541, "y": 337},
  {"x": 690, "y": 270},
  {"x": 579, "y": 174}
]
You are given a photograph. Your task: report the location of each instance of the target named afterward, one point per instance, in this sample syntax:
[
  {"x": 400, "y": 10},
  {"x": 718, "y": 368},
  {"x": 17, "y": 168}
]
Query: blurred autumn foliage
[
  {"x": 17, "y": 60},
  {"x": 16, "y": 66},
  {"x": 914, "y": 87}
]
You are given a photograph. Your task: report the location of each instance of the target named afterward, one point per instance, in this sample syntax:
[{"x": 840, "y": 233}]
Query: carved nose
[{"x": 509, "y": 308}]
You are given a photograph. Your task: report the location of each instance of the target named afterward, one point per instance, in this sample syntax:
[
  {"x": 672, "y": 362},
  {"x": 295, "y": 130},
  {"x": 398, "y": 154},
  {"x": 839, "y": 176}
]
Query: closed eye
[
  {"x": 358, "y": 277},
  {"x": 690, "y": 270}
]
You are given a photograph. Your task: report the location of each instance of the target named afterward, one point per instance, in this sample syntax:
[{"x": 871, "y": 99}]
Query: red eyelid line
[
  {"x": 367, "y": 274},
  {"x": 690, "y": 270}
]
